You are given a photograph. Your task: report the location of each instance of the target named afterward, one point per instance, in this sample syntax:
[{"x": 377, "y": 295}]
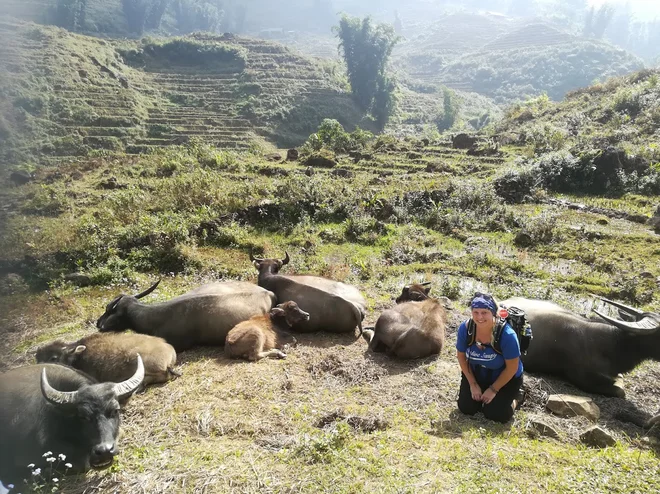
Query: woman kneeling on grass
[{"x": 491, "y": 379}]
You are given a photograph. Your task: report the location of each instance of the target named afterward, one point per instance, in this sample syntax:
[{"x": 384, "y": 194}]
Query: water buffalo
[
  {"x": 586, "y": 352},
  {"x": 194, "y": 318},
  {"x": 332, "y": 306},
  {"x": 110, "y": 357},
  {"x": 414, "y": 328},
  {"x": 265, "y": 336},
  {"x": 55, "y": 408}
]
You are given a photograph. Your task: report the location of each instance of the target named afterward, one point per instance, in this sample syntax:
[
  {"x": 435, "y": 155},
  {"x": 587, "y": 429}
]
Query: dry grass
[{"x": 334, "y": 418}]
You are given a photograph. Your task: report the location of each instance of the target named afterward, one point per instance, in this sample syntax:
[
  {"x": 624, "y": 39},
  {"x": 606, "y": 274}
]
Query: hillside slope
[
  {"x": 509, "y": 60},
  {"x": 66, "y": 95},
  {"x": 622, "y": 111}
]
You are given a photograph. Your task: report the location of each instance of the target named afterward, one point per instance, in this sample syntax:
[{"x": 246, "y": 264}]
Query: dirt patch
[
  {"x": 362, "y": 424},
  {"x": 346, "y": 370}
]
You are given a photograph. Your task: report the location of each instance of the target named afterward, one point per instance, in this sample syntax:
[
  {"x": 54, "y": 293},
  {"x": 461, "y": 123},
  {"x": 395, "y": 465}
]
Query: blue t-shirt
[{"x": 484, "y": 361}]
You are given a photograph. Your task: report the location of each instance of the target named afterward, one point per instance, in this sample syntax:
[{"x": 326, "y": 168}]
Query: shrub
[
  {"x": 363, "y": 229},
  {"x": 538, "y": 230},
  {"x": 331, "y": 135},
  {"x": 515, "y": 186}
]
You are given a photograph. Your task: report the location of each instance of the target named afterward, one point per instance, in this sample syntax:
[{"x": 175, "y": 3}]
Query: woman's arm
[
  {"x": 475, "y": 389},
  {"x": 507, "y": 374},
  {"x": 465, "y": 368},
  {"x": 510, "y": 369}
]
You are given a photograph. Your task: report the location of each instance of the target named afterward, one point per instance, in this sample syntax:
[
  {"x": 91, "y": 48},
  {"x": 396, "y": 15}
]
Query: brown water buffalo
[
  {"x": 414, "y": 328},
  {"x": 265, "y": 336},
  {"x": 332, "y": 306},
  {"x": 194, "y": 318},
  {"x": 55, "y": 408},
  {"x": 110, "y": 357},
  {"x": 587, "y": 352}
]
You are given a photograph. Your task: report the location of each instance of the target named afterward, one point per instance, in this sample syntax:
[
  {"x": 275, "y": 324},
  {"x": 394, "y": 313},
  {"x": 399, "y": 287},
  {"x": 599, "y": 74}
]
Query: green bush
[
  {"x": 516, "y": 185},
  {"x": 331, "y": 135},
  {"x": 186, "y": 51}
]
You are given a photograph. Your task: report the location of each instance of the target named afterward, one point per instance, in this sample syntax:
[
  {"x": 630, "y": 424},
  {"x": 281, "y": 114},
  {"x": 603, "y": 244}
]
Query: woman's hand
[
  {"x": 488, "y": 396},
  {"x": 475, "y": 389}
]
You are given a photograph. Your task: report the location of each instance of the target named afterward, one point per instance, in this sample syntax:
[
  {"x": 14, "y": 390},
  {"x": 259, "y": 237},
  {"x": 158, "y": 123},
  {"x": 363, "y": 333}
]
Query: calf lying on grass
[
  {"x": 265, "y": 336},
  {"x": 111, "y": 357}
]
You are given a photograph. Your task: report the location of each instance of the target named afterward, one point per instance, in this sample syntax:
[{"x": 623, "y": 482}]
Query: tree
[
  {"x": 155, "y": 14},
  {"x": 135, "y": 12},
  {"x": 398, "y": 25},
  {"x": 143, "y": 14},
  {"x": 198, "y": 15},
  {"x": 596, "y": 21},
  {"x": 366, "y": 49},
  {"x": 70, "y": 14},
  {"x": 450, "y": 108}
]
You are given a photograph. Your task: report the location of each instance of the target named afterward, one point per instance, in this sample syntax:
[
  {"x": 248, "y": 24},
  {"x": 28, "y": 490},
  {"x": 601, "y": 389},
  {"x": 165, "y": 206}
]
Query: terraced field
[
  {"x": 114, "y": 107},
  {"x": 530, "y": 35}
]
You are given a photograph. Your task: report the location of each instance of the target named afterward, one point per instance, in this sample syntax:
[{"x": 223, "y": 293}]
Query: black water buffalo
[
  {"x": 414, "y": 328},
  {"x": 586, "y": 352},
  {"x": 265, "y": 336},
  {"x": 110, "y": 357},
  {"x": 200, "y": 317},
  {"x": 54, "y": 408},
  {"x": 332, "y": 306}
]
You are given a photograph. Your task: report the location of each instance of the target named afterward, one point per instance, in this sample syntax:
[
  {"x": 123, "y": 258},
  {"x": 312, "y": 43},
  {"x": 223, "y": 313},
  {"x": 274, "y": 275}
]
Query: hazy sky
[{"x": 639, "y": 6}]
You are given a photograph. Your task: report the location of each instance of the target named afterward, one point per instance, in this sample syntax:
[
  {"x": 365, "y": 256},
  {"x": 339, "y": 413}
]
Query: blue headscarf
[{"x": 484, "y": 302}]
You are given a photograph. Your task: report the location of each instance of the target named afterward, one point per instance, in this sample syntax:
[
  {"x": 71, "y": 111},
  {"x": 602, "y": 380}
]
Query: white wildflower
[
  {"x": 62, "y": 457},
  {"x": 68, "y": 465},
  {"x": 55, "y": 479},
  {"x": 31, "y": 465},
  {"x": 10, "y": 486},
  {"x": 51, "y": 459},
  {"x": 36, "y": 471},
  {"x": 47, "y": 454}
]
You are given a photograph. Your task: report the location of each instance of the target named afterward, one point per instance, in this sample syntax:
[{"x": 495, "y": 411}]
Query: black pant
[{"x": 499, "y": 409}]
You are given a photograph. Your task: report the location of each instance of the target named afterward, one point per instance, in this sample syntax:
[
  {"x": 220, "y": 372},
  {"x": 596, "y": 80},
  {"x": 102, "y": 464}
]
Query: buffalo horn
[
  {"x": 148, "y": 290},
  {"x": 426, "y": 283},
  {"x": 645, "y": 325},
  {"x": 123, "y": 389},
  {"x": 286, "y": 258},
  {"x": 252, "y": 258},
  {"x": 53, "y": 395},
  {"x": 625, "y": 308}
]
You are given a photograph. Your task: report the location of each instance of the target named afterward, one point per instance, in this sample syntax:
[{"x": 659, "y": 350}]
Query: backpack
[{"x": 516, "y": 319}]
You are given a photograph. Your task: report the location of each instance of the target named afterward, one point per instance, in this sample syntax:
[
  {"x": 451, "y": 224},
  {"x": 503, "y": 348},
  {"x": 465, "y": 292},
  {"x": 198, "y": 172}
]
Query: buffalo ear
[
  {"x": 427, "y": 290},
  {"x": 276, "y": 312},
  {"x": 79, "y": 349},
  {"x": 256, "y": 264}
]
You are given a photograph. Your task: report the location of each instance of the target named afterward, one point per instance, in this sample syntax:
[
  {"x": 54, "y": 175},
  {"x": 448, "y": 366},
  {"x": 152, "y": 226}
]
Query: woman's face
[{"x": 482, "y": 316}]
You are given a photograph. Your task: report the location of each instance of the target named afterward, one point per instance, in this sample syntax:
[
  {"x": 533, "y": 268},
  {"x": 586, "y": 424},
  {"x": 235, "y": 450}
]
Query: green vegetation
[
  {"x": 367, "y": 49},
  {"x": 117, "y": 202},
  {"x": 599, "y": 140}
]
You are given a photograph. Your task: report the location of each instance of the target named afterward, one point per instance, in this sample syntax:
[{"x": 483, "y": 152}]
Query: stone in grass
[
  {"x": 597, "y": 438},
  {"x": 573, "y": 406},
  {"x": 541, "y": 428}
]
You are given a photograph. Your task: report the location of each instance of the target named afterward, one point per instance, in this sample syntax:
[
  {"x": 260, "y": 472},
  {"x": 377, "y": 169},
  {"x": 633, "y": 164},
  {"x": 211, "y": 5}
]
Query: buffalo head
[
  {"x": 271, "y": 266},
  {"x": 92, "y": 414},
  {"x": 638, "y": 322},
  {"x": 59, "y": 352},
  {"x": 115, "y": 317},
  {"x": 416, "y": 292},
  {"x": 291, "y": 312}
]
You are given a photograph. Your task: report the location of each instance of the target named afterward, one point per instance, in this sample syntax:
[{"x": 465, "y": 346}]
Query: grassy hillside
[
  {"x": 509, "y": 60},
  {"x": 68, "y": 95},
  {"x": 603, "y": 138},
  {"x": 402, "y": 211}
]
